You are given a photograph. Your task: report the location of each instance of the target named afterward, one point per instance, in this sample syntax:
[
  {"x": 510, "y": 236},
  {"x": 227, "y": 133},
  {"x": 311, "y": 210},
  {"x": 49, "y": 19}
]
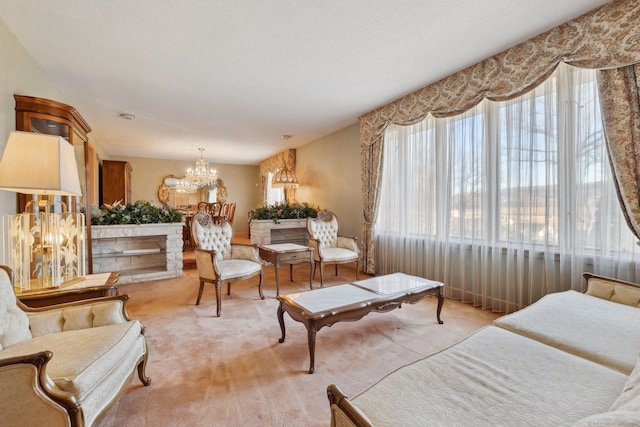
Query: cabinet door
[{"x": 116, "y": 182}]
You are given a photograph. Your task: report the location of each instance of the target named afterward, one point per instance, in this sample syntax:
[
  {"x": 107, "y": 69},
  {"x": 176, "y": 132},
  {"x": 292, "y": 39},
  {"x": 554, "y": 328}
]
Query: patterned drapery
[
  {"x": 620, "y": 105},
  {"x": 608, "y": 37}
]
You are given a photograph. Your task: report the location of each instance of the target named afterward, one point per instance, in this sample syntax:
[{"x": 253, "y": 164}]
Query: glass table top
[
  {"x": 390, "y": 284},
  {"x": 331, "y": 298}
]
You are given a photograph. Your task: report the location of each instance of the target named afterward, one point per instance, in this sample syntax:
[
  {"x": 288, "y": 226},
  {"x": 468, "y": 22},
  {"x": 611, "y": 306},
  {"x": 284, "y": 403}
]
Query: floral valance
[
  {"x": 277, "y": 161},
  {"x": 608, "y": 37}
]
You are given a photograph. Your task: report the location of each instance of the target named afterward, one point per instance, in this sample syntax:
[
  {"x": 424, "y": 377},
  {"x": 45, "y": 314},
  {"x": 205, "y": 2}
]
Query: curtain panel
[
  {"x": 608, "y": 37},
  {"x": 620, "y": 105}
]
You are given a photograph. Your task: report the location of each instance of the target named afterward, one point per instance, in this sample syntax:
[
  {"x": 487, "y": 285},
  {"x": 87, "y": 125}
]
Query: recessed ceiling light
[
  {"x": 127, "y": 116},
  {"x": 285, "y": 136}
]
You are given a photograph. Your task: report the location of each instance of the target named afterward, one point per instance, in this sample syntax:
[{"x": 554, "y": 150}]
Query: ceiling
[{"x": 234, "y": 76}]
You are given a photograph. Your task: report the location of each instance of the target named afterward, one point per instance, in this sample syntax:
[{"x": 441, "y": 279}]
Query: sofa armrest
[
  {"x": 343, "y": 412},
  {"x": 33, "y": 398},
  {"x": 78, "y": 315}
]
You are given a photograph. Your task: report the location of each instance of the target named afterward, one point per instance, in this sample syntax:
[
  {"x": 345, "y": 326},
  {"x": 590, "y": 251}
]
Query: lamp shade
[
  {"x": 285, "y": 178},
  {"x": 35, "y": 163}
]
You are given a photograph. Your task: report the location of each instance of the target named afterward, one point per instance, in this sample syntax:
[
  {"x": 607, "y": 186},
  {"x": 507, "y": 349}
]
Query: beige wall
[
  {"x": 242, "y": 183},
  {"x": 20, "y": 75},
  {"x": 328, "y": 170}
]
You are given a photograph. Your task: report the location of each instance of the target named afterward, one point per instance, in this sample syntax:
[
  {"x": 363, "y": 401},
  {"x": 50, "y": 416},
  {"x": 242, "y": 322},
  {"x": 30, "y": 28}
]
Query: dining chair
[{"x": 228, "y": 211}]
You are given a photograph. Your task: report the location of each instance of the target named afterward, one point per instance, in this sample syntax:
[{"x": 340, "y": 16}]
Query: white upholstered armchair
[
  {"x": 65, "y": 364},
  {"x": 220, "y": 261},
  {"x": 330, "y": 247}
]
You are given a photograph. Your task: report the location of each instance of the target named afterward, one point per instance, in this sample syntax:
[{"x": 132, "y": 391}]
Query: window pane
[{"x": 528, "y": 161}]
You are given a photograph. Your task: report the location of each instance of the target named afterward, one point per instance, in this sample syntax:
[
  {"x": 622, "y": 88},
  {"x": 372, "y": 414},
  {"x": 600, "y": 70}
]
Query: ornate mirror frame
[{"x": 166, "y": 191}]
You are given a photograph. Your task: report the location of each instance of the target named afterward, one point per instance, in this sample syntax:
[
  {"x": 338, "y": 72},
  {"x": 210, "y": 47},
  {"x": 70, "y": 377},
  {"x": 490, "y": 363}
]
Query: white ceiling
[{"x": 233, "y": 76}]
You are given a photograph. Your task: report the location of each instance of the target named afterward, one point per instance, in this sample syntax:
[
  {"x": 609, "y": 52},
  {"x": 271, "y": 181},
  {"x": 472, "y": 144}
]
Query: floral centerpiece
[
  {"x": 140, "y": 212},
  {"x": 284, "y": 210}
]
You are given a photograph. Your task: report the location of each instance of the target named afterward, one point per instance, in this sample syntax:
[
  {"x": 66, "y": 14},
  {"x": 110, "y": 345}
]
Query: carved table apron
[{"x": 324, "y": 307}]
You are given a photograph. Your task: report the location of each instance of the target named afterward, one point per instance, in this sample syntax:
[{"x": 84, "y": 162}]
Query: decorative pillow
[
  {"x": 626, "y": 295},
  {"x": 107, "y": 313},
  {"x": 599, "y": 288},
  {"x": 45, "y": 323},
  {"x": 77, "y": 318},
  {"x": 614, "y": 290}
]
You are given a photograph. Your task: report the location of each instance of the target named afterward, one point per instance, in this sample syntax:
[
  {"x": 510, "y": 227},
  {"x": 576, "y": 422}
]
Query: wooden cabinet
[
  {"x": 55, "y": 118},
  {"x": 116, "y": 182}
]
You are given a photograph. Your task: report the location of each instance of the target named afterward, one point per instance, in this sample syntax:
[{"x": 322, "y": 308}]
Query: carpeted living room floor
[{"x": 231, "y": 371}]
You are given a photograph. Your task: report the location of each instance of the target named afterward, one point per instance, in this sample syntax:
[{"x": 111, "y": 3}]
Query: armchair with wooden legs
[
  {"x": 330, "y": 247},
  {"x": 218, "y": 260}
]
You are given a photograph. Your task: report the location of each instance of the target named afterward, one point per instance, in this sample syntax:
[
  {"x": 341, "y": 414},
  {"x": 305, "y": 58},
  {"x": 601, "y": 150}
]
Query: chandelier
[
  {"x": 201, "y": 176},
  {"x": 184, "y": 186},
  {"x": 285, "y": 178}
]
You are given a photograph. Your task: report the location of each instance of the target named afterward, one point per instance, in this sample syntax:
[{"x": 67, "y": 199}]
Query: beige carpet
[{"x": 231, "y": 371}]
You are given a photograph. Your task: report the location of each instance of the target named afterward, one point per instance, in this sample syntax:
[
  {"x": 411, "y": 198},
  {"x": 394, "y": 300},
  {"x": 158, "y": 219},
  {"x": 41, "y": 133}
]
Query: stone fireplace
[{"x": 265, "y": 232}]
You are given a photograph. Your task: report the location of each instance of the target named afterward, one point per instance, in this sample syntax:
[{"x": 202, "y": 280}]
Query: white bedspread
[
  {"x": 596, "y": 329},
  {"x": 493, "y": 378}
]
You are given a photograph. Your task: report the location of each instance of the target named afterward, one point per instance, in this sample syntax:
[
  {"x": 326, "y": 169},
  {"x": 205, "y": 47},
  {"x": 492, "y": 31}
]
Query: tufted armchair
[
  {"x": 330, "y": 248},
  {"x": 220, "y": 261},
  {"x": 65, "y": 364}
]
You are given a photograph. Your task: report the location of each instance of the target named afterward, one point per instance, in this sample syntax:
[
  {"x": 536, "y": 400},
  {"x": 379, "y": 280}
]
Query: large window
[{"x": 528, "y": 176}]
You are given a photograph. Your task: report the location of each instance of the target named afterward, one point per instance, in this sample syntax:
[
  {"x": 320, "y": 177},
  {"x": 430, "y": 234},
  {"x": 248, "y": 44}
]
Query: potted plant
[
  {"x": 284, "y": 210},
  {"x": 140, "y": 212}
]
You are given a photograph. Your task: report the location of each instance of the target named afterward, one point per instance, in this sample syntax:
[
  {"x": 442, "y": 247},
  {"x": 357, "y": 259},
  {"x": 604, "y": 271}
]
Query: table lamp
[{"x": 46, "y": 247}]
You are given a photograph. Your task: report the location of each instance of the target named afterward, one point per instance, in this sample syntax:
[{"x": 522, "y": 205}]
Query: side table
[
  {"x": 93, "y": 286},
  {"x": 287, "y": 253}
]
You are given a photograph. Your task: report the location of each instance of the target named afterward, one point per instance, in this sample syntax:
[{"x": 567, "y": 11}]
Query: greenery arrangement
[
  {"x": 284, "y": 210},
  {"x": 140, "y": 212}
]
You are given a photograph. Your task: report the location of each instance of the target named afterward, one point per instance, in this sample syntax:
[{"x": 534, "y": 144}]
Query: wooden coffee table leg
[
  {"x": 277, "y": 268},
  {"x": 281, "y": 320},
  {"x": 440, "y": 302},
  {"x": 311, "y": 337}
]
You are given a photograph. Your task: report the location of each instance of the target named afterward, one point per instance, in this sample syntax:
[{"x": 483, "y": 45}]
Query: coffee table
[
  {"x": 352, "y": 301},
  {"x": 287, "y": 253}
]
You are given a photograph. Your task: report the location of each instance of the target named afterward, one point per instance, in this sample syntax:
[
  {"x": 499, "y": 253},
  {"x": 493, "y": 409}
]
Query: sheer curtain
[
  {"x": 273, "y": 195},
  {"x": 508, "y": 201}
]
